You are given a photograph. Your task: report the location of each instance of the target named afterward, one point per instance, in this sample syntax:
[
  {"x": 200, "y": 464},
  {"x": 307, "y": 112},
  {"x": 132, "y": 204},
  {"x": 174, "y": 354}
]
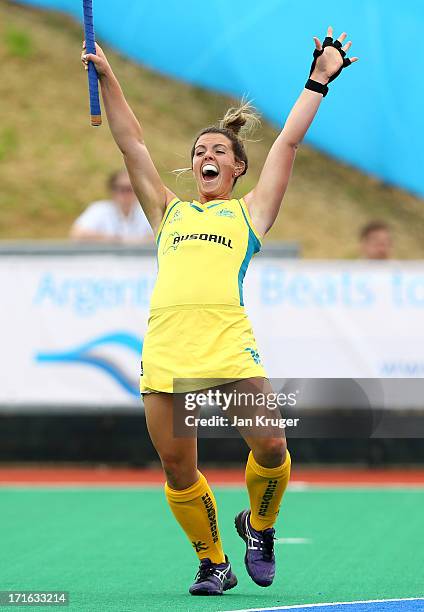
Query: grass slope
[{"x": 52, "y": 163}]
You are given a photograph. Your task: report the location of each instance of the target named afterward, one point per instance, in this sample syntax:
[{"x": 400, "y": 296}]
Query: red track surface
[{"x": 128, "y": 477}]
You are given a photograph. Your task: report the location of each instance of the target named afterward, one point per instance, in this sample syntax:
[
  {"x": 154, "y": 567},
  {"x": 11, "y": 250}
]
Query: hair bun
[{"x": 242, "y": 120}]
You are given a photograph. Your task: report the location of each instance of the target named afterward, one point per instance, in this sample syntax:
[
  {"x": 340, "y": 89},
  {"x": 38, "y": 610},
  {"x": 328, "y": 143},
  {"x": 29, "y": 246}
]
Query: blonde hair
[{"x": 242, "y": 120}]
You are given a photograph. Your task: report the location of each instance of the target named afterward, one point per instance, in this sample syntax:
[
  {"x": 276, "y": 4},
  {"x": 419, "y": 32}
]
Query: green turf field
[{"x": 120, "y": 549}]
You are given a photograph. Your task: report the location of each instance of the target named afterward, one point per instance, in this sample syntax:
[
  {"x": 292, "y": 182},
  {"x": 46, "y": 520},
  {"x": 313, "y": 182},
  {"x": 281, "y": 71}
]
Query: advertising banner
[{"x": 72, "y": 326}]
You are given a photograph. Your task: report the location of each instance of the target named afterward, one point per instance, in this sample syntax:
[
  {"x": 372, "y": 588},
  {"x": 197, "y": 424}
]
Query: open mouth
[{"x": 209, "y": 172}]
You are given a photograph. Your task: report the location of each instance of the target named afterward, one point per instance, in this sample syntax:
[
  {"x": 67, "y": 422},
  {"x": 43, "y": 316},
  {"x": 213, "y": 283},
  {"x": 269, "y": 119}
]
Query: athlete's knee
[
  {"x": 180, "y": 470},
  {"x": 270, "y": 452},
  {"x": 173, "y": 461}
]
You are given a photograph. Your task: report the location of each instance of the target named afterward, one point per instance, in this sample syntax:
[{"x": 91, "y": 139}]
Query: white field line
[
  {"x": 335, "y": 603},
  {"x": 293, "y": 541}
]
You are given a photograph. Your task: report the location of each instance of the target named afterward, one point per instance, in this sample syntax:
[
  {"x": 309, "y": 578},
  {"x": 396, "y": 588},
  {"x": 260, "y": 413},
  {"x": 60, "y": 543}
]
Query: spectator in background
[
  {"x": 119, "y": 219},
  {"x": 376, "y": 240}
]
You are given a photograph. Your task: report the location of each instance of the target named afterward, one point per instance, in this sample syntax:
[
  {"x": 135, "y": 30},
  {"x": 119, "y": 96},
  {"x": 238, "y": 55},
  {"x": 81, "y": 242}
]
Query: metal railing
[{"x": 52, "y": 247}]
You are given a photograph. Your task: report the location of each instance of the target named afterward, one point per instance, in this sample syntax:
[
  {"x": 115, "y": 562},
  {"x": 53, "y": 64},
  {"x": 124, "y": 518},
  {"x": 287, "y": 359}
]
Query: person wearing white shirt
[{"x": 119, "y": 219}]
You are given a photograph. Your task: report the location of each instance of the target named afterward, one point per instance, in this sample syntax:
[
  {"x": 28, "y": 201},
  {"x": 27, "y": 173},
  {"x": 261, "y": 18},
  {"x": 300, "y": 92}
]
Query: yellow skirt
[{"x": 205, "y": 346}]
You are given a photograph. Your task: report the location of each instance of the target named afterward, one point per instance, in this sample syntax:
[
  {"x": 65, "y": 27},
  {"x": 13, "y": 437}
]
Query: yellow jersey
[{"x": 203, "y": 253}]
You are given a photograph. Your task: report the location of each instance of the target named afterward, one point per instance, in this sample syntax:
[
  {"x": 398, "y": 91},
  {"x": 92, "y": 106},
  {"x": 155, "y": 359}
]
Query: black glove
[{"x": 319, "y": 87}]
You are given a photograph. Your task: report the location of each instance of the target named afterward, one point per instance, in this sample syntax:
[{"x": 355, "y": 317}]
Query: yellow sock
[
  {"x": 266, "y": 487},
  {"x": 195, "y": 510}
]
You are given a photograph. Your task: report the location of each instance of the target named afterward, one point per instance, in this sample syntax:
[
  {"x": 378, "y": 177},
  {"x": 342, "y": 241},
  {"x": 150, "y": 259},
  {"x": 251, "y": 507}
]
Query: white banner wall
[
  {"x": 339, "y": 319},
  {"x": 72, "y": 325}
]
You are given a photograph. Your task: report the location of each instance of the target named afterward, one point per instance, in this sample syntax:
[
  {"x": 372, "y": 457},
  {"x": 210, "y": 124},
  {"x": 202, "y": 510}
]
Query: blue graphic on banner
[
  {"x": 87, "y": 295},
  {"x": 402, "y": 369},
  {"x": 341, "y": 288},
  {"x": 374, "y": 108},
  {"x": 394, "y": 605},
  {"x": 88, "y": 354}
]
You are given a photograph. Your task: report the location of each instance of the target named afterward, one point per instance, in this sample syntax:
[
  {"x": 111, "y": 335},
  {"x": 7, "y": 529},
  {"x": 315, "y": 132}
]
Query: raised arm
[
  {"x": 128, "y": 135},
  {"x": 264, "y": 201}
]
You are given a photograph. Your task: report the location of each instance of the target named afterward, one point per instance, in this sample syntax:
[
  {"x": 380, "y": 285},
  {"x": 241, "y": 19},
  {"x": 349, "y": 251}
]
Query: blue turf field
[{"x": 398, "y": 605}]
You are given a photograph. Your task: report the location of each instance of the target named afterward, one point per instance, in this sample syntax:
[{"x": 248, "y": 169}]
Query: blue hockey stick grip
[{"x": 93, "y": 79}]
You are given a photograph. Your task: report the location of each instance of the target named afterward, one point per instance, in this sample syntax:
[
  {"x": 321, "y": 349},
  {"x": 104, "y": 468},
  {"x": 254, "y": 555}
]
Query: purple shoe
[
  {"x": 213, "y": 578},
  {"x": 259, "y": 558}
]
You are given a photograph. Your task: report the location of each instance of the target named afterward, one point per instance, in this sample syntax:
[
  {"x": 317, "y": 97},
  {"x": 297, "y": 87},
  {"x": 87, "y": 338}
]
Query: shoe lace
[
  {"x": 268, "y": 544},
  {"x": 206, "y": 569}
]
